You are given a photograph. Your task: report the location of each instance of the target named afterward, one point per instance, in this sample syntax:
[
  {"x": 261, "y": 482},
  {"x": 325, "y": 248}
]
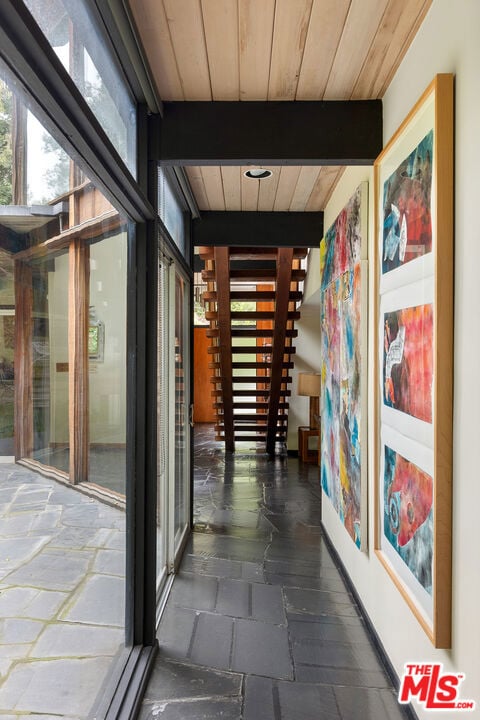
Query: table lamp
[{"x": 309, "y": 385}]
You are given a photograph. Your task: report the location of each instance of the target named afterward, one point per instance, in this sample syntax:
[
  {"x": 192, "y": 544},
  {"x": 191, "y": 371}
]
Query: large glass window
[
  {"x": 70, "y": 30},
  {"x": 47, "y": 328},
  {"x": 63, "y": 258},
  {"x": 171, "y": 211},
  {"x": 47, "y": 165}
]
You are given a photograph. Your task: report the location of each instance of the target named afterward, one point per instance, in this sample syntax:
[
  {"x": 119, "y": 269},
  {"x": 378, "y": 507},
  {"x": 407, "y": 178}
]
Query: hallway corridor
[{"x": 259, "y": 624}]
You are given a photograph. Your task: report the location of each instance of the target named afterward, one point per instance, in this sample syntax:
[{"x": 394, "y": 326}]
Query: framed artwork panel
[{"x": 414, "y": 358}]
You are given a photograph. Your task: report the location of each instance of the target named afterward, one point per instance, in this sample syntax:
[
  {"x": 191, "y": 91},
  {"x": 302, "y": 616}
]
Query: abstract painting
[
  {"x": 408, "y": 514},
  {"x": 407, "y": 216},
  {"x": 408, "y": 361},
  {"x": 341, "y": 359}
]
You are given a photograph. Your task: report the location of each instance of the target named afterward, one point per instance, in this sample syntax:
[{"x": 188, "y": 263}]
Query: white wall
[
  {"x": 447, "y": 42},
  {"x": 107, "y": 379},
  {"x": 307, "y": 357}
]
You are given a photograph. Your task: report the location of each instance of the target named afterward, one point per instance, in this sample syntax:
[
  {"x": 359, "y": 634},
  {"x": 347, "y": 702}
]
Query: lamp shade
[{"x": 309, "y": 384}]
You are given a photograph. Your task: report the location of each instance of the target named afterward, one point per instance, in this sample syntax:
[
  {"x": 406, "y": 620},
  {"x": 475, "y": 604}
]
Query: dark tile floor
[{"x": 259, "y": 624}]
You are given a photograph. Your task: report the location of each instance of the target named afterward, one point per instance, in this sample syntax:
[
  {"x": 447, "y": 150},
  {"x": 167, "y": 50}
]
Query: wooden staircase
[{"x": 250, "y": 396}]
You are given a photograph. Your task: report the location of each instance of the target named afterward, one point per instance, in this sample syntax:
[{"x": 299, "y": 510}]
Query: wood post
[
  {"x": 78, "y": 304},
  {"x": 284, "y": 278},
  {"x": 23, "y": 364},
  {"x": 222, "y": 272}
]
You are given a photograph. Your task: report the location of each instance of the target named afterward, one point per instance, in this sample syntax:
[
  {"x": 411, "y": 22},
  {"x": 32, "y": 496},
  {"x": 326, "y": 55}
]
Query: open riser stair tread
[
  {"x": 251, "y": 350},
  {"x": 251, "y": 315},
  {"x": 253, "y": 295},
  {"x": 251, "y": 333},
  {"x": 249, "y": 393}
]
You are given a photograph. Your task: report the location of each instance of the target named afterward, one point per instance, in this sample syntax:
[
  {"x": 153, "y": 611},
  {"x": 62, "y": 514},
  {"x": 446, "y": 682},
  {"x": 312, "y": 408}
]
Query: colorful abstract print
[
  {"x": 408, "y": 515},
  {"x": 408, "y": 361},
  {"x": 342, "y": 242},
  {"x": 340, "y": 368},
  {"x": 407, "y": 219}
]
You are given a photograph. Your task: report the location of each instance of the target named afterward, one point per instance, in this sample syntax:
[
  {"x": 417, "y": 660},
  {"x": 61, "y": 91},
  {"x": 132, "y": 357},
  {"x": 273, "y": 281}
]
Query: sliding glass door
[
  {"x": 180, "y": 432},
  {"x": 173, "y": 476}
]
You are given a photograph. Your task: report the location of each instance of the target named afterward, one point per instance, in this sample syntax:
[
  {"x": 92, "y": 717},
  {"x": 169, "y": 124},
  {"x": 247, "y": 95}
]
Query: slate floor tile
[
  {"x": 310, "y": 651},
  {"x": 19, "y": 630},
  {"x": 367, "y": 703},
  {"x": 300, "y": 568},
  {"x": 284, "y": 549},
  {"x": 57, "y": 687},
  {"x": 341, "y": 676},
  {"x": 176, "y": 630},
  {"x": 217, "y": 567},
  {"x": 267, "y": 604},
  {"x": 65, "y": 640},
  {"x": 318, "y": 602},
  {"x": 258, "y": 703},
  {"x": 72, "y": 537},
  {"x": 194, "y": 591},
  {"x": 345, "y": 621},
  {"x": 311, "y": 583},
  {"x": 330, "y": 632},
  {"x": 110, "y": 562},
  {"x": 173, "y": 680},
  {"x": 101, "y": 601},
  {"x": 253, "y": 572},
  {"x": 234, "y": 598},
  {"x": 212, "y": 641},
  {"x": 14, "y": 651},
  {"x": 211, "y": 709},
  {"x": 17, "y": 552},
  {"x": 300, "y": 701},
  {"x": 261, "y": 649},
  {"x": 228, "y": 547},
  {"x": 53, "y": 570}
]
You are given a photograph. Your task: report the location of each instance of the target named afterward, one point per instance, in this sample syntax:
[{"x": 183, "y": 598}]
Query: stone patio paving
[{"x": 62, "y": 588}]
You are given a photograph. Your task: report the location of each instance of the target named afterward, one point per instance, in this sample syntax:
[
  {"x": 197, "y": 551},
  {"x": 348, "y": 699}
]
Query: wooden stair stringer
[{"x": 260, "y": 412}]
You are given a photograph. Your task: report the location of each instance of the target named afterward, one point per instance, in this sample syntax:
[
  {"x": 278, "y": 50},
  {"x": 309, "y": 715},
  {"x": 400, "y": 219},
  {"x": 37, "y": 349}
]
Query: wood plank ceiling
[{"x": 273, "y": 50}]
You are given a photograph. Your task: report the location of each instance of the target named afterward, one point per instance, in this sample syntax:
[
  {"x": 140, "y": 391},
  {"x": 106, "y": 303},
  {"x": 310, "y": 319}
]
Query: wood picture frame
[{"x": 413, "y": 266}]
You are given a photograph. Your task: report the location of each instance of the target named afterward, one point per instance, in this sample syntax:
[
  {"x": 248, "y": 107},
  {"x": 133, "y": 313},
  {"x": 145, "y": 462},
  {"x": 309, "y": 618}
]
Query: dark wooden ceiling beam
[
  {"x": 334, "y": 132},
  {"x": 267, "y": 229}
]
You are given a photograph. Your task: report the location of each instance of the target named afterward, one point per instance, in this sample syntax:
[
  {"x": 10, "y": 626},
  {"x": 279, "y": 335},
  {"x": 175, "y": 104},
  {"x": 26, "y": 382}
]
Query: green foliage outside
[
  {"x": 243, "y": 306},
  {"x": 5, "y": 145},
  {"x": 57, "y": 177}
]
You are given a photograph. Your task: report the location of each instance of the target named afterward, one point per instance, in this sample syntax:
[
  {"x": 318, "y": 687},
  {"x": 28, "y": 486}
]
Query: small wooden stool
[{"x": 304, "y": 453}]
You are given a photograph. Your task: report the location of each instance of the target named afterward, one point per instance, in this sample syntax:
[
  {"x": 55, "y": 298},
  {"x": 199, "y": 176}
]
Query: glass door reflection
[
  {"x": 182, "y": 427},
  {"x": 173, "y": 472}
]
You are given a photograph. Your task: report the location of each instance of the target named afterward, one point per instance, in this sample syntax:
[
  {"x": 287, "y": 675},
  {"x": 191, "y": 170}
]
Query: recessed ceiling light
[{"x": 258, "y": 174}]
